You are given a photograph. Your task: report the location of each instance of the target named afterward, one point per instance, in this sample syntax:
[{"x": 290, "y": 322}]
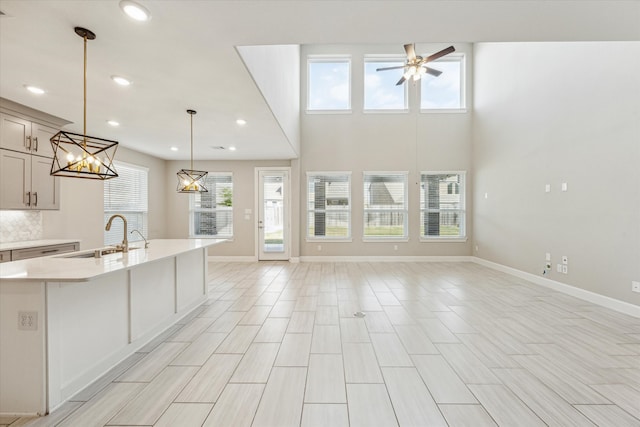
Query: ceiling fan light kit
[
  {"x": 415, "y": 66},
  {"x": 79, "y": 155},
  {"x": 190, "y": 180}
]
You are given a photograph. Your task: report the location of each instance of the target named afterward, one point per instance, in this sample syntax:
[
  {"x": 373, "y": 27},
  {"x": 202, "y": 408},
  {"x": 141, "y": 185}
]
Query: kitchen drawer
[
  {"x": 5, "y": 256},
  {"x": 18, "y": 254}
]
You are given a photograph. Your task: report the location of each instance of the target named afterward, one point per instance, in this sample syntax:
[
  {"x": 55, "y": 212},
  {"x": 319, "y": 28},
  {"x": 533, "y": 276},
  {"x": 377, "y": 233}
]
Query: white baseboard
[
  {"x": 385, "y": 259},
  {"x": 294, "y": 260},
  {"x": 592, "y": 297}
]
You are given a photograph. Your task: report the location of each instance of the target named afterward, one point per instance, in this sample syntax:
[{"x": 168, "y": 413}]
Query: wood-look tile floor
[{"x": 455, "y": 344}]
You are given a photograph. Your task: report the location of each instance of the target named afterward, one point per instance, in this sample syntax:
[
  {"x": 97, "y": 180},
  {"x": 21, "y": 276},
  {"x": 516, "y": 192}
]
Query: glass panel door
[{"x": 273, "y": 221}]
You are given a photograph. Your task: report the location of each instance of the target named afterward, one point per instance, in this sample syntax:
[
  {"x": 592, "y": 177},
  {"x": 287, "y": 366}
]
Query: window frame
[
  {"x": 314, "y": 238},
  {"x": 329, "y": 59},
  {"x": 391, "y": 59},
  {"x": 463, "y": 208},
  {"x": 452, "y": 57},
  {"x": 405, "y": 210},
  {"x": 119, "y": 165},
  {"x": 193, "y": 210}
]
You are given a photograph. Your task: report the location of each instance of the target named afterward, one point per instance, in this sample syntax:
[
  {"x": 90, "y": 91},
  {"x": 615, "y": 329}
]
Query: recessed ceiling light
[
  {"x": 135, "y": 10},
  {"x": 121, "y": 80},
  {"x": 232, "y": 148},
  {"x": 174, "y": 148},
  {"x": 34, "y": 89},
  {"x": 241, "y": 122},
  {"x": 113, "y": 123}
]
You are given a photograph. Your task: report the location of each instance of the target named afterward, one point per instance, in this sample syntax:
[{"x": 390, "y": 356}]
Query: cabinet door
[
  {"x": 15, "y": 133},
  {"x": 45, "y": 189},
  {"x": 41, "y": 135},
  {"x": 15, "y": 180}
]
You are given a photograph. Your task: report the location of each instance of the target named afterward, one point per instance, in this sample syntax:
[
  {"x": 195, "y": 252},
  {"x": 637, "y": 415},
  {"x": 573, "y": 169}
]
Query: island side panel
[
  {"x": 88, "y": 332},
  {"x": 22, "y": 352},
  {"x": 153, "y": 298},
  {"x": 191, "y": 287}
]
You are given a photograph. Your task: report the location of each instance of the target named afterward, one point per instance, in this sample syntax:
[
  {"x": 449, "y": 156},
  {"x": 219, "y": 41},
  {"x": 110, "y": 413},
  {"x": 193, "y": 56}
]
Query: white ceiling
[{"x": 186, "y": 57}]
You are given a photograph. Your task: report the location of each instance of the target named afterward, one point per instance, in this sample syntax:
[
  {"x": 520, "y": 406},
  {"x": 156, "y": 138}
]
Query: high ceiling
[{"x": 186, "y": 57}]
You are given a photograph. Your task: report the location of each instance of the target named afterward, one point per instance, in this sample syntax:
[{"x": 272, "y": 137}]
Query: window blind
[
  {"x": 211, "y": 213},
  {"x": 385, "y": 204},
  {"x": 442, "y": 211},
  {"x": 329, "y": 205},
  {"x": 126, "y": 195}
]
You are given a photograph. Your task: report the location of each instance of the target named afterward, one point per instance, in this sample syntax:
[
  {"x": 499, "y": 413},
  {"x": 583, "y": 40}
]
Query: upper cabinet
[
  {"x": 22, "y": 135},
  {"x": 25, "y": 158}
]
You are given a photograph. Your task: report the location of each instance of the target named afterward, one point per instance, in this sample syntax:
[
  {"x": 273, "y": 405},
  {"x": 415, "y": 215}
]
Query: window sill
[
  {"x": 227, "y": 239},
  {"x": 385, "y": 239},
  {"x": 328, "y": 240},
  {"x": 444, "y": 111},
  {"x": 348, "y": 111},
  {"x": 443, "y": 240},
  {"x": 385, "y": 111}
]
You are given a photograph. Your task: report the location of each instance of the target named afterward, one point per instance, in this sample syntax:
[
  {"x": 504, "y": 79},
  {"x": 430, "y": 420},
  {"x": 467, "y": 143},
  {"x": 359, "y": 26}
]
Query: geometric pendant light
[
  {"x": 190, "y": 180},
  {"x": 83, "y": 156}
]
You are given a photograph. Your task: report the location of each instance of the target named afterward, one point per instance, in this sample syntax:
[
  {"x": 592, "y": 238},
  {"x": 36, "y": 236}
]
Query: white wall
[
  {"x": 359, "y": 142},
  {"x": 177, "y": 214},
  {"x": 276, "y": 71},
  {"x": 81, "y": 214},
  {"x": 547, "y": 113}
]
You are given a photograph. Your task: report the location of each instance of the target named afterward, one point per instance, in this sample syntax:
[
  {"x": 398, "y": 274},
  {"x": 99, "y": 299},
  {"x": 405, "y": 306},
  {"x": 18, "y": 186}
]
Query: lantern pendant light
[
  {"x": 190, "y": 180},
  {"x": 83, "y": 156}
]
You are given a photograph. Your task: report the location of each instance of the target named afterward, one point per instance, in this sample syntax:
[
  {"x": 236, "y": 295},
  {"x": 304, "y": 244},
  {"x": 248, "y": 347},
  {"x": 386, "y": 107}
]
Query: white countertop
[
  {"x": 60, "y": 268},
  {"x": 35, "y": 243}
]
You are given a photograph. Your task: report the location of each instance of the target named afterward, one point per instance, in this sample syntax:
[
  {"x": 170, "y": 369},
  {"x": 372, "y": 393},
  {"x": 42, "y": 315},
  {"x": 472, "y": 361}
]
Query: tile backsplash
[{"x": 17, "y": 226}]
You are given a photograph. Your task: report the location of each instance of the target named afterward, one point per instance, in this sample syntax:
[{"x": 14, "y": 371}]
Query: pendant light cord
[
  {"x": 191, "y": 141},
  {"x": 85, "y": 89}
]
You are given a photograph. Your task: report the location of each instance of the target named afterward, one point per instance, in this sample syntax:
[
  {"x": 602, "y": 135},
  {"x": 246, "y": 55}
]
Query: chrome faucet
[
  {"x": 125, "y": 242},
  {"x": 146, "y": 244}
]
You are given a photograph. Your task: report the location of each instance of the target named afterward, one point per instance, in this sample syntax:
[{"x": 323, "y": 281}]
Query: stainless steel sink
[{"x": 95, "y": 254}]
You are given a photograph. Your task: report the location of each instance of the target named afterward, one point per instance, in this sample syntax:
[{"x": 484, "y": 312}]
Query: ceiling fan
[{"x": 416, "y": 65}]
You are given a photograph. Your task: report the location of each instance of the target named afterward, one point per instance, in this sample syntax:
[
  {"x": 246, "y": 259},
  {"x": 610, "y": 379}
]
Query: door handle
[
  {"x": 28, "y": 143},
  {"x": 35, "y": 141},
  {"x": 28, "y": 202},
  {"x": 35, "y": 196}
]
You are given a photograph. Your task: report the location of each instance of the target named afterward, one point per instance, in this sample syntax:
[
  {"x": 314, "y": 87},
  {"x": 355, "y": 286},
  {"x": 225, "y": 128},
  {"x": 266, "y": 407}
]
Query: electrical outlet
[
  {"x": 547, "y": 256},
  {"x": 635, "y": 286},
  {"x": 565, "y": 269},
  {"x": 319, "y": 247},
  {"x": 395, "y": 247},
  {"x": 559, "y": 268},
  {"x": 28, "y": 320},
  {"x": 565, "y": 260}
]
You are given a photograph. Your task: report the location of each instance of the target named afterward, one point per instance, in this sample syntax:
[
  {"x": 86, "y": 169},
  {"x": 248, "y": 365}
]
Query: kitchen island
[{"x": 67, "y": 319}]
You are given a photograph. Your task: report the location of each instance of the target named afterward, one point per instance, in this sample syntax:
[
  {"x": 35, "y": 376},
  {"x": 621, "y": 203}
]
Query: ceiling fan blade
[
  {"x": 390, "y": 68},
  {"x": 432, "y": 71},
  {"x": 411, "y": 51},
  {"x": 440, "y": 54},
  {"x": 402, "y": 79}
]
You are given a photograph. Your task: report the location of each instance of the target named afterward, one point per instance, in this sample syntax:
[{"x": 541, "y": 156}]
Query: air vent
[{"x": 217, "y": 147}]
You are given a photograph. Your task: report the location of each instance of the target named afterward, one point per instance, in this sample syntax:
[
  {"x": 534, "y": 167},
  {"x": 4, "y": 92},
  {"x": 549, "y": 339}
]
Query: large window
[
  {"x": 328, "y": 205},
  {"x": 445, "y": 92},
  {"x": 329, "y": 84},
  {"x": 380, "y": 89},
  {"x": 126, "y": 195},
  {"x": 385, "y": 205},
  {"x": 442, "y": 212},
  {"x": 211, "y": 213}
]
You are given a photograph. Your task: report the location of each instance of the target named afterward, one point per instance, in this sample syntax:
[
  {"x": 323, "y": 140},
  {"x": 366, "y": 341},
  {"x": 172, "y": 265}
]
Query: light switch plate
[
  {"x": 547, "y": 188},
  {"x": 564, "y": 186},
  {"x": 547, "y": 256}
]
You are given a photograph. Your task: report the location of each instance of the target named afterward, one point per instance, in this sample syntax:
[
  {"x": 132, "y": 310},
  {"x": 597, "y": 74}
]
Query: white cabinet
[
  {"x": 25, "y": 159},
  {"x": 19, "y": 134},
  {"x": 25, "y": 182}
]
